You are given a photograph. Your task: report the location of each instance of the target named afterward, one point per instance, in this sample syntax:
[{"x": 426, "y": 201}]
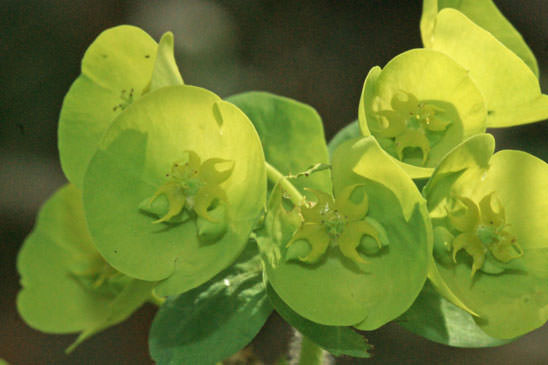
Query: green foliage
[
  {"x": 169, "y": 189},
  {"x": 291, "y": 134},
  {"x": 214, "y": 320},
  {"x": 437, "y": 319},
  {"x": 337, "y": 340}
]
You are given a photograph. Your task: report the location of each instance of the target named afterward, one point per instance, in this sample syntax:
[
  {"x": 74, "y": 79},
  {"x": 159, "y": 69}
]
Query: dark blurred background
[{"x": 315, "y": 51}]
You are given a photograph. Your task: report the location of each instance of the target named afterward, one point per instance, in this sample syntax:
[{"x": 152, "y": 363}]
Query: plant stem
[
  {"x": 277, "y": 178},
  {"x": 311, "y": 354}
]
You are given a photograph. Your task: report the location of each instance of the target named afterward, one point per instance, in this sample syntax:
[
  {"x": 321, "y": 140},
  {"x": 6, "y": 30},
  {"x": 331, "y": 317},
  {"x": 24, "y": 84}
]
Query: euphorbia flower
[
  {"x": 341, "y": 222},
  {"x": 181, "y": 158},
  {"x": 490, "y": 235},
  {"x": 358, "y": 257},
  {"x": 482, "y": 232},
  {"x": 194, "y": 185},
  {"x": 419, "y": 107}
]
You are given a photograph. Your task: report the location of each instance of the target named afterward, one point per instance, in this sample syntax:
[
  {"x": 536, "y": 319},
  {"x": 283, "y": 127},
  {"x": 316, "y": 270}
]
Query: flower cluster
[{"x": 168, "y": 185}]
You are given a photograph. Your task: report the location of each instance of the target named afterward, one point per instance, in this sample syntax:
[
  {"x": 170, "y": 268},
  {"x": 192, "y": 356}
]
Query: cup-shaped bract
[
  {"x": 175, "y": 187},
  {"x": 67, "y": 286},
  {"x": 358, "y": 257},
  {"x": 511, "y": 89},
  {"x": 419, "y": 107},
  {"x": 122, "y": 64},
  {"x": 485, "y": 14},
  {"x": 490, "y": 235}
]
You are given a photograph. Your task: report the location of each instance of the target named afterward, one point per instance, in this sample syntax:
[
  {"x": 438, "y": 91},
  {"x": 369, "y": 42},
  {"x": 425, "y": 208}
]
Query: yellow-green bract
[
  {"x": 67, "y": 286},
  {"x": 121, "y": 65},
  {"x": 496, "y": 57},
  {"x": 152, "y": 147},
  {"x": 419, "y": 107},
  {"x": 485, "y": 14},
  {"x": 337, "y": 290},
  {"x": 490, "y": 235}
]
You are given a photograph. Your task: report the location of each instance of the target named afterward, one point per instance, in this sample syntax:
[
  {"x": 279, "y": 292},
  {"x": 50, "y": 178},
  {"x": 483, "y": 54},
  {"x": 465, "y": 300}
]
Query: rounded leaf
[{"x": 139, "y": 155}]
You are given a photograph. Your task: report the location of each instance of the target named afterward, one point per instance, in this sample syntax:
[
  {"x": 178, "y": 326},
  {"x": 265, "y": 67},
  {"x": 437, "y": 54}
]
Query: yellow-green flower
[
  {"x": 338, "y": 222},
  {"x": 490, "y": 235},
  {"x": 420, "y": 106}
]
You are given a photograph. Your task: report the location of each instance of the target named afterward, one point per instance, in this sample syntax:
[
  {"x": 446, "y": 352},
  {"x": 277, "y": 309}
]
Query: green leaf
[
  {"x": 215, "y": 320},
  {"x": 422, "y": 98},
  {"x": 485, "y": 14},
  {"x": 61, "y": 275},
  {"x": 116, "y": 70},
  {"x": 337, "y": 340},
  {"x": 352, "y": 130},
  {"x": 143, "y": 145},
  {"x": 513, "y": 300},
  {"x": 337, "y": 291},
  {"x": 291, "y": 134},
  {"x": 511, "y": 90},
  {"x": 438, "y": 320}
]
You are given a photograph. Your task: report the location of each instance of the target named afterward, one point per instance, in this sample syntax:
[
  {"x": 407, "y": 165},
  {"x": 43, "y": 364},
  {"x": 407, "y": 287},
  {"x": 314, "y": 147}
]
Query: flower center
[
  {"x": 341, "y": 222},
  {"x": 410, "y": 128},
  {"x": 483, "y": 233},
  {"x": 98, "y": 275},
  {"x": 334, "y": 223},
  {"x": 193, "y": 188}
]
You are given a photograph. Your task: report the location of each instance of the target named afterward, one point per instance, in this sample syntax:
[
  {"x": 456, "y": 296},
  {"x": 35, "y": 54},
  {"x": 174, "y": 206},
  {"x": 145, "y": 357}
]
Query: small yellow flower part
[
  {"x": 194, "y": 185},
  {"x": 410, "y": 123},
  {"x": 339, "y": 222},
  {"x": 97, "y": 274},
  {"x": 483, "y": 231}
]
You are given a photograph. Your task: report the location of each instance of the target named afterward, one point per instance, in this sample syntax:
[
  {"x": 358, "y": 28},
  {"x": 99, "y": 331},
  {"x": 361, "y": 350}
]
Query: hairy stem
[{"x": 277, "y": 178}]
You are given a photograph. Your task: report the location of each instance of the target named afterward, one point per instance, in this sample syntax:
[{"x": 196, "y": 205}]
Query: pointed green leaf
[
  {"x": 438, "y": 320},
  {"x": 485, "y": 14},
  {"x": 116, "y": 70},
  {"x": 511, "y": 90},
  {"x": 291, "y": 134},
  {"x": 61, "y": 291},
  {"x": 337, "y": 340},
  {"x": 215, "y": 320},
  {"x": 137, "y": 152}
]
